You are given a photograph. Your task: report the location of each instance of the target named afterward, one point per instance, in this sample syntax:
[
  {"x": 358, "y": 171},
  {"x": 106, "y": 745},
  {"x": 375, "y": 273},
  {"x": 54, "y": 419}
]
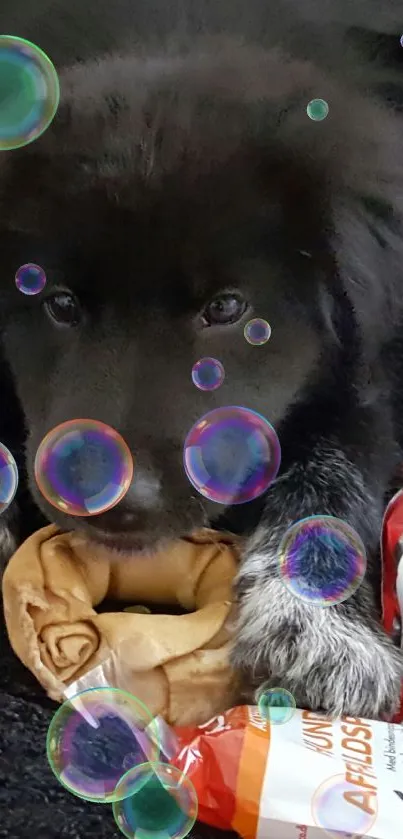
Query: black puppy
[{"x": 180, "y": 192}]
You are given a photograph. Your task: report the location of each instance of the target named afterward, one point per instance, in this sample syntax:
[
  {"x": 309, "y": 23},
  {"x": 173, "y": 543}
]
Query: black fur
[{"x": 183, "y": 166}]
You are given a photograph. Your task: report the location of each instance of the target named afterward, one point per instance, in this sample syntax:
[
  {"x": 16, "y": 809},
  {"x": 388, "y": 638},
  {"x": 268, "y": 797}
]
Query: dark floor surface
[{"x": 33, "y": 805}]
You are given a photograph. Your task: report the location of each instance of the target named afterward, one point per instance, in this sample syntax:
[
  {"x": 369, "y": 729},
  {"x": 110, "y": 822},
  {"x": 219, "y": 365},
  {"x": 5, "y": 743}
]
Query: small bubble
[
  {"x": 276, "y": 705},
  {"x": 155, "y": 800},
  {"x": 30, "y": 279},
  {"x": 257, "y": 332},
  {"x": 208, "y": 374},
  {"x": 317, "y": 109},
  {"x": 29, "y": 92}
]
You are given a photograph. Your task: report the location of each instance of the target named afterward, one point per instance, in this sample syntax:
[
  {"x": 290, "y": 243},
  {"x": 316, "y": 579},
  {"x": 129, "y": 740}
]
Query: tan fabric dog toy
[{"x": 177, "y": 664}]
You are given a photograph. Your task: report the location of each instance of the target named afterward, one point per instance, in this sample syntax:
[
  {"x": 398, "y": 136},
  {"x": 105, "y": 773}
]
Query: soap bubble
[
  {"x": 232, "y": 455},
  {"x": 95, "y": 737},
  {"x": 322, "y": 560},
  {"x": 30, "y": 279},
  {"x": 157, "y": 801},
  {"x": 83, "y": 467},
  {"x": 335, "y": 810},
  {"x": 276, "y": 705},
  {"x": 8, "y": 478},
  {"x": 208, "y": 374},
  {"x": 257, "y": 332},
  {"x": 317, "y": 109},
  {"x": 29, "y": 92}
]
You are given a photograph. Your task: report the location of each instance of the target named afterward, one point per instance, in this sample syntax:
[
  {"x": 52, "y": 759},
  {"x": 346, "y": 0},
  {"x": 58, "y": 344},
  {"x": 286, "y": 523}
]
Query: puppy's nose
[
  {"x": 144, "y": 493},
  {"x": 143, "y": 498}
]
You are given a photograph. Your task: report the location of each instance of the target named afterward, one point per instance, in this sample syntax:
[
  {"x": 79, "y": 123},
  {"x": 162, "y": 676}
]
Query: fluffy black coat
[{"x": 181, "y": 190}]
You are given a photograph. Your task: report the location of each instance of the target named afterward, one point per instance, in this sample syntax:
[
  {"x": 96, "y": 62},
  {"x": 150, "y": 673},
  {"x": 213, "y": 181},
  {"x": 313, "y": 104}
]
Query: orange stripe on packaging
[{"x": 251, "y": 773}]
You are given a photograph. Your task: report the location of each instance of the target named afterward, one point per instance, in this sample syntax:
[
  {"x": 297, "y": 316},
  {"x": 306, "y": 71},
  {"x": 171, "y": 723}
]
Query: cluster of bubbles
[
  {"x": 29, "y": 92},
  {"x": 155, "y": 800},
  {"x": 84, "y": 467},
  {"x": 232, "y": 454},
  {"x": 317, "y": 109},
  {"x": 208, "y": 373},
  {"x": 104, "y": 746}
]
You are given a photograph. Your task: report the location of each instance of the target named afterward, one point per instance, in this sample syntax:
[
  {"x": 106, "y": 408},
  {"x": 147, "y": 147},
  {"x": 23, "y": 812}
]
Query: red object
[
  {"x": 391, "y": 552},
  {"x": 226, "y": 758}
]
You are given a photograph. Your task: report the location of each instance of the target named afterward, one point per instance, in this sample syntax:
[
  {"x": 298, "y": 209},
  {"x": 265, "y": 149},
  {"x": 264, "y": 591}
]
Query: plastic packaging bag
[
  {"x": 308, "y": 778},
  {"x": 305, "y": 779}
]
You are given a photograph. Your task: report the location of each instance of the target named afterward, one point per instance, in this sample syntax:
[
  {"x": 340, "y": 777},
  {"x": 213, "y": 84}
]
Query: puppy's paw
[{"x": 328, "y": 661}]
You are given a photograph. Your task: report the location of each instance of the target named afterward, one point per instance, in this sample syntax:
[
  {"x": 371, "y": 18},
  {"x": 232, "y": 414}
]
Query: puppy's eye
[
  {"x": 225, "y": 309},
  {"x": 63, "y": 308}
]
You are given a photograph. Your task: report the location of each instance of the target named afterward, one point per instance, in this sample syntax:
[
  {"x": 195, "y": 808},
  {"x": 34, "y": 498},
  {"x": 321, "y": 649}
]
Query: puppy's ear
[{"x": 368, "y": 247}]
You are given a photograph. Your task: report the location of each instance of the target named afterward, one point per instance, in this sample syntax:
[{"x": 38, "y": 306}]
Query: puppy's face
[{"x": 168, "y": 205}]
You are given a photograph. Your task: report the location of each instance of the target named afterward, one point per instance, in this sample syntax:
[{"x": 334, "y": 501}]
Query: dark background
[{"x": 358, "y": 39}]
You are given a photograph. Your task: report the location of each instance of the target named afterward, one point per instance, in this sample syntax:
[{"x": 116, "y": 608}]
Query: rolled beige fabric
[{"x": 177, "y": 664}]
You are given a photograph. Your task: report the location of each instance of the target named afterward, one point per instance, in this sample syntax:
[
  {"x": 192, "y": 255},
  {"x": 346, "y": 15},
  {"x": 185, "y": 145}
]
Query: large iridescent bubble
[
  {"x": 83, "y": 467},
  {"x": 335, "y": 810},
  {"x": 322, "y": 560},
  {"x": 155, "y": 800},
  {"x": 95, "y": 737},
  {"x": 232, "y": 455},
  {"x": 29, "y": 92}
]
